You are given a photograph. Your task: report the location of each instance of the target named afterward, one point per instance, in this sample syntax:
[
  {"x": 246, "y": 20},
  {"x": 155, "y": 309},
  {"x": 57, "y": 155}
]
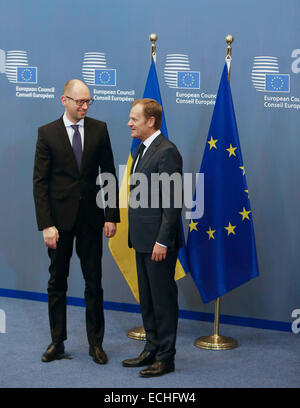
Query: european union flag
[
  {"x": 27, "y": 74},
  {"x": 105, "y": 77},
  {"x": 221, "y": 245},
  {"x": 188, "y": 79},
  {"x": 278, "y": 82}
]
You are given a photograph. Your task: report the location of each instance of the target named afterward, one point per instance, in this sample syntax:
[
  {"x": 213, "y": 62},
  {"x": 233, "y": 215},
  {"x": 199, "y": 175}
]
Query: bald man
[{"x": 69, "y": 153}]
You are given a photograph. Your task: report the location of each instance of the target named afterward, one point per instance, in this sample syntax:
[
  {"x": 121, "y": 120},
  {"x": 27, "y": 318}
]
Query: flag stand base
[
  {"x": 216, "y": 342},
  {"x": 137, "y": 333}
]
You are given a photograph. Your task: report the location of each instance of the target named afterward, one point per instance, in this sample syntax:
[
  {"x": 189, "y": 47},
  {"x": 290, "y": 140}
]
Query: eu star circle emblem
[
  {"x": 188, "y": 80},
  {"x": 104, "y": 77},
  {"x": 26, "y": 75},
  {"x": 277, "y": 83}
]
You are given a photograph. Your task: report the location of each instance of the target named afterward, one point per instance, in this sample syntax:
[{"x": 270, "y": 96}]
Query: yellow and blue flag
[
  {"x": 221, "y": 245},
  {"x": 123, "y": 255}
]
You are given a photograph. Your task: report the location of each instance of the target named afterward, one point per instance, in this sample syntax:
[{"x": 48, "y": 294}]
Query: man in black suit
[
  {"x": 154, "y": 233},
  {"x": 69, "y": 152}
]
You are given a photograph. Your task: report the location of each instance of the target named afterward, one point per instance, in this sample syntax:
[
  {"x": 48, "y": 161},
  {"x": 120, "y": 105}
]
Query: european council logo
[
  {"x": 15, "y": 65},
  {"x": 266, "y": 77},
  {"x": 278, "y": 83},
  {"x": 95, "y": 71},
  {"x": 27, "y": 75},
  {"x": 188, "y": 79},
  {"x": 178, "y": 74},
  {"x": 105, "y": 77}
]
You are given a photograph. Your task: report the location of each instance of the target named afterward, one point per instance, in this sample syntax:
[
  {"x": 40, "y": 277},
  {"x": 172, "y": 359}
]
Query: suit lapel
[
  {"x": 136, "y": 153},
  {"x": 64, "y": 138},
  {"x": 65, "y": 141},
  {"x": 149, "y": 153},
  {"x": 87, "y": 141},
  {"x": 133, "y": 162}
]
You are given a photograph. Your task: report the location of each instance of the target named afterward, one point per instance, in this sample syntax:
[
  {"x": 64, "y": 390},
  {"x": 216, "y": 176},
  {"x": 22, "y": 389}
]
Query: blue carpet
[{"x": 264, "y": 358}]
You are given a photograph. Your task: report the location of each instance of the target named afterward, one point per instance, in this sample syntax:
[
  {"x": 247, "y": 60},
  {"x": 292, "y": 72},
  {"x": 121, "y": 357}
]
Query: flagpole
[
  {"x": 229, "y": 39},
  {"x": 138, "y": 333},
  {"x": 216, "y": 341},
  {"x": 153, "y": 38}
]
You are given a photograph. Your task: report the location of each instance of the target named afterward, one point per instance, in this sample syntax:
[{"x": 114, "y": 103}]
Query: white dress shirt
[
  {"x": 147, "y": 143},
  {"x": 71, "y": 131},
  {"x": 150, "y": 139}
]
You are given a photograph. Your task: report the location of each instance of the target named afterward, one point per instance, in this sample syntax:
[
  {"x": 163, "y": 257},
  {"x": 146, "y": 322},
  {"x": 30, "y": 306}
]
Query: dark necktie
[
  {"x": 139, "y": 155},
  {"x": 76, "y": 144}
]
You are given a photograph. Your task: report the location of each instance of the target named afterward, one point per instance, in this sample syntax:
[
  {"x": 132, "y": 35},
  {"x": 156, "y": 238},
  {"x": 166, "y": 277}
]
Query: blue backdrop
[{"x": 43, "y": 44}]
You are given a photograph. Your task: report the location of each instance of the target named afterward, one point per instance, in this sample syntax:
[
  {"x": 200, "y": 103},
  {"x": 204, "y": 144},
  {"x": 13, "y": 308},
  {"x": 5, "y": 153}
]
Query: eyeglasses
[{"x": 80, "y": 102}]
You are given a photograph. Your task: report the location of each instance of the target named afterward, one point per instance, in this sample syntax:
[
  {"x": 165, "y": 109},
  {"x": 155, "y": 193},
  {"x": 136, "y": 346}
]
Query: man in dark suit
[
  {"x": 69, "y": 152},
  {"x": 154, "y": 233}
]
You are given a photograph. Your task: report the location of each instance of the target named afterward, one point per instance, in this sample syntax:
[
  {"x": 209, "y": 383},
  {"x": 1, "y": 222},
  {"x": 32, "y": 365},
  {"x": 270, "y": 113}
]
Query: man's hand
[
  {"x": 51, "y": 237},
  {"x": 110, "y": 228},
  {"x": 159, "y": 253}
]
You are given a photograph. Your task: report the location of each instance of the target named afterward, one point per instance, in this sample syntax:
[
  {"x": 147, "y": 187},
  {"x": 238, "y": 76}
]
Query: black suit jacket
[
  {"x": 58, "y": 184},
  {"x": 150, "y": 225}
]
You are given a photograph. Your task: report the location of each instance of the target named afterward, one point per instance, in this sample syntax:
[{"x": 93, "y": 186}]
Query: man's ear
[
  {"x": 151, "y": 121},
  {"x": 63, "y": 100}
]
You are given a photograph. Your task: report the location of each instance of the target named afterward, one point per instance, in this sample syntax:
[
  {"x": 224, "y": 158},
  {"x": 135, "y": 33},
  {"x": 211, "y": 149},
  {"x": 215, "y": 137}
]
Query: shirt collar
[
  {"x": 150, "y": 139},
  {"x": 67, "y": 122}
]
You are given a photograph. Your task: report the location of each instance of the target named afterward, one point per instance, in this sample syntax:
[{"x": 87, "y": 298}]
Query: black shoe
[
  {"x": 98, "y": 354},
  {"x": 158, "y": 368},
  {"x": 53, "y": 352},
  {"x": 145, "y": 358}
]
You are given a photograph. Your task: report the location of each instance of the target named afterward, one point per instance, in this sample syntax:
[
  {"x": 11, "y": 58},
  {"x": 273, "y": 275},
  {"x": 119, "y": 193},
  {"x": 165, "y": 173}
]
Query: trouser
[
  {"x": 159, "y": 305},
  {"x": 89, "y": 251}
]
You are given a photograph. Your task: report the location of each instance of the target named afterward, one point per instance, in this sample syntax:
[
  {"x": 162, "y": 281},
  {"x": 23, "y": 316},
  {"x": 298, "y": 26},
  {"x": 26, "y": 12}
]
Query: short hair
[{"x": 151, "y": 108}]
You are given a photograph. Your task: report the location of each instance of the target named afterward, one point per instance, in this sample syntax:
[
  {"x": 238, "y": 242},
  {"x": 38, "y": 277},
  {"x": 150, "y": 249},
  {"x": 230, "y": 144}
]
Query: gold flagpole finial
[
  {"x": 153, "y": 38},
  {"x": 229, "y": 39}
]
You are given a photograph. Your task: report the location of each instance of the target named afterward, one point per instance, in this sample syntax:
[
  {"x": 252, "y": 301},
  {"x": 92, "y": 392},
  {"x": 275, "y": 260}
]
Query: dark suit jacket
[
  {"x": 150, "y": 225},
  {"x": 58, "y": 184}
]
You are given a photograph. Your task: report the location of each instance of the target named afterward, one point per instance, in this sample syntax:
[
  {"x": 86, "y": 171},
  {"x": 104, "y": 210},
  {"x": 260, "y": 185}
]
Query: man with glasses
[{"x": 69, "y": 152}]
